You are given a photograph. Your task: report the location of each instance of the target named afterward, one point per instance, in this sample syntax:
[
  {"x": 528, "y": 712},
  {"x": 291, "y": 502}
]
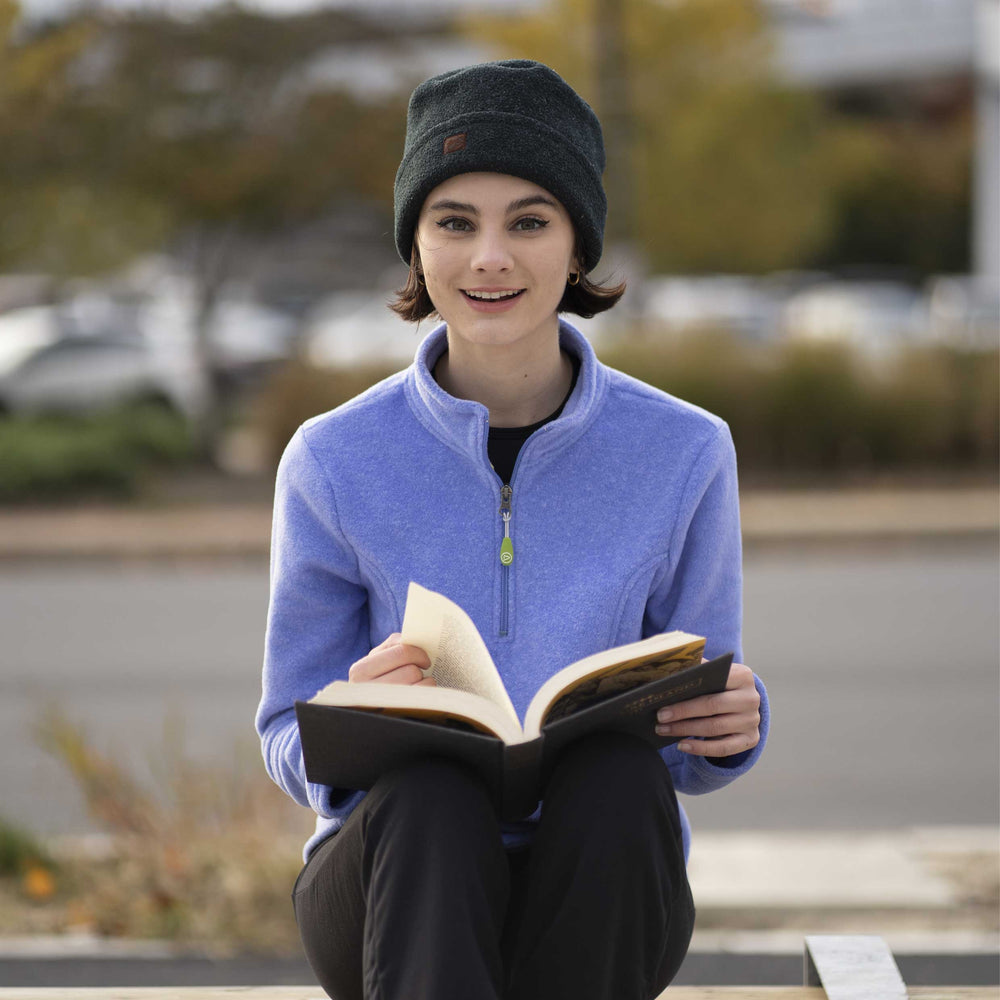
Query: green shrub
[
  {"x": 817, "y": 409},
  {"x": 19, "y": 851},
  {"x": 813, "y": 407},
  {"x": 795, "y": 407},
  {"x": 105, "y": 455},
  {"x": 153, "y": 433}
]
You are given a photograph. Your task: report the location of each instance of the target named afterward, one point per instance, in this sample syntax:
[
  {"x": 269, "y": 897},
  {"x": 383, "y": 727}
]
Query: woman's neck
[{"x": 519, "y": 386}]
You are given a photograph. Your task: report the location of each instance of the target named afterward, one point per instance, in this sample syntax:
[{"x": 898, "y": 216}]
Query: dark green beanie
[{"x": 513, "y": 117}]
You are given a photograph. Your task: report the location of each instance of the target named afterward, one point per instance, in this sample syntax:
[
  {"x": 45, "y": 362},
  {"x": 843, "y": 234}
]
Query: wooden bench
[
  {"x": 835, "y": 967},
  {"x": 315, "y": 993}
]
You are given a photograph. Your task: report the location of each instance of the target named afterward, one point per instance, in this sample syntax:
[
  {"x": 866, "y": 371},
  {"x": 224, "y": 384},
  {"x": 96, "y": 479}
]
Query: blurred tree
[
  {"x": 611, "y": 75},
  {"x": 54, "y": 221},
  {"x": 730, "y": 170},
  {"x": 226, "y": 121},
  {"x": 207, "y": 130},
  {"x": 910, "y": 211}
]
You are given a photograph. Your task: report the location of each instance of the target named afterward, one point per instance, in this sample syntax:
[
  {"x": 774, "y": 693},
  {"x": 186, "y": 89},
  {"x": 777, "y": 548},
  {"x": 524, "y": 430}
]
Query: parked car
[
  {"x": 875, "y": 316},
  {"x": 744, "y": 305},
  {"x": 43, "y": 369},
  {"x": 964, "y": 310}
]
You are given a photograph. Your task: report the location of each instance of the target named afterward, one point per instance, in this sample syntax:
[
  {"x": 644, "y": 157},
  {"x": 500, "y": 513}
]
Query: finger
[
  {"x": 366, "y": 663},
  {"x": 427, "y": 682},
  {"x": 711, "y": 727},
  {"x": 409, "y": 673},
  {"x": 375, "y": 669},
  {"x": 381, "y": 660},
  {"x": 704, "y": 706},
  {"x": 390, "y": 640},
  {"x": 739, "y": 695},
  {"x": 740, "y": 676},
  {"x": 724, "y": 747},
  {"x": 405, "y": 653}
]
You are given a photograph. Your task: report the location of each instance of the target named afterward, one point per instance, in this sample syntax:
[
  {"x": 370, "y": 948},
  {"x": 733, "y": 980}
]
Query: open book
[{"x": 353, "y": 732}]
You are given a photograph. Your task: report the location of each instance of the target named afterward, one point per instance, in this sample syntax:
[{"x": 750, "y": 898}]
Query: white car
[
  {"x": 45, "y": 370},
  {"x": 875, "y": 316}
]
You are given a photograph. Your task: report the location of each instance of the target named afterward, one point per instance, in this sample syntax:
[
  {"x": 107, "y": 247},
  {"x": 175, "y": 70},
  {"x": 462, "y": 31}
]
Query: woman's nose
[{"x": 491, "y": 253}]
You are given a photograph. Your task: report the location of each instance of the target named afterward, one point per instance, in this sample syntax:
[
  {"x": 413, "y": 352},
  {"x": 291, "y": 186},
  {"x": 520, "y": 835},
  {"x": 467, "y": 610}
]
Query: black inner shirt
[{"x": 504, "y": 443}]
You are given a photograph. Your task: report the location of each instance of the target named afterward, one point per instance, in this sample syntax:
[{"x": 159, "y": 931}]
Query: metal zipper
[{"x": 506, "y": 559}]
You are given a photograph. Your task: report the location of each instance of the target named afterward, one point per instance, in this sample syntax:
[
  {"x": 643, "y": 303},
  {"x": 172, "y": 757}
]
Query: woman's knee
[
  {"x": 434, "y": 791},
  {"x": 619, "y": 764},
  {"x": 614, "y": 791}
]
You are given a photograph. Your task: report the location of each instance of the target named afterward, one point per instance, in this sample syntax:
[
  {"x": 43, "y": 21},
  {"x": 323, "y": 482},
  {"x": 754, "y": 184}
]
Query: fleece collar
[{"x": 463, "y": 424}]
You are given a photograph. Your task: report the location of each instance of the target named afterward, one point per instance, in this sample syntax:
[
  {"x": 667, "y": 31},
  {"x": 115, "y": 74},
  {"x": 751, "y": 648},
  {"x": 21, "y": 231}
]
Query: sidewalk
[
  {"x": 929, "y": 890},
  {"x": 229, "y": 529},
  {"x": 934, "y": 889}
]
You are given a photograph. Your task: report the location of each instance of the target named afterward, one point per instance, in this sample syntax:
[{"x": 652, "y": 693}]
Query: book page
[
  {"x": 610, "y": 672},
  {"x": 439, "y": 705},
  {"x": 459, "y": 657}
]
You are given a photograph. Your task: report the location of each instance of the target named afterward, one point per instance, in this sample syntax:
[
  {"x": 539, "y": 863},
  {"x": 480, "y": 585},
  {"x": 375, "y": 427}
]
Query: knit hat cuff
[{"x": 503, "y": 143}]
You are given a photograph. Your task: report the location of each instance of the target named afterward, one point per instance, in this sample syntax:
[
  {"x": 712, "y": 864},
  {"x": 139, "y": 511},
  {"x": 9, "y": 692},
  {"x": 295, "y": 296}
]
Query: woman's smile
[
  {"x": 493, "y": 246},
  {"x": 493, "y": 299}
]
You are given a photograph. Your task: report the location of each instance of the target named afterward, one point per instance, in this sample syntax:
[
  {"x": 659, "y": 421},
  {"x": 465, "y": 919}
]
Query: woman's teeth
[{"x": 493, "y": 295}]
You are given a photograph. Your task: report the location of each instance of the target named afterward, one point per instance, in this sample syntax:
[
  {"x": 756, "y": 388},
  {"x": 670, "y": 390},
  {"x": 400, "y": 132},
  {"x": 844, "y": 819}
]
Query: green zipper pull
[
  {"x": 507, "y": 551},
  {"x": 507, "y": 546}
]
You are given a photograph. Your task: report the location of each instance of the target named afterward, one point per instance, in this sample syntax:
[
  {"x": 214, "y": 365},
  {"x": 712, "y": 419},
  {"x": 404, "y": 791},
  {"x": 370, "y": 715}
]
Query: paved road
[{"x": 881, "y": 661}]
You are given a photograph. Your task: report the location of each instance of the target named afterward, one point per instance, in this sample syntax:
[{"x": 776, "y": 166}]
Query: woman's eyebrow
[
  {"x": 535, "y": 199},
  {"x": 514, "y": 206}
]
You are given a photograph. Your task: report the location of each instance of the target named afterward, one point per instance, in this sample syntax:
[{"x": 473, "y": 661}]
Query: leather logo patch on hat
[{"x": 454, "y": 143}]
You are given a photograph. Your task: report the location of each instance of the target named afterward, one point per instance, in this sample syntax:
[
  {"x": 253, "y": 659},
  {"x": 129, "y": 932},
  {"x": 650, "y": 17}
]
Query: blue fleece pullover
[{"x": 624, "y": 521}]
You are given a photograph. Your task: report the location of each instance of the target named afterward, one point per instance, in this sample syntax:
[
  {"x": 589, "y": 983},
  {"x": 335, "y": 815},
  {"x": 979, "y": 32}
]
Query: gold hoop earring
[{"x": 572, "y": 275}]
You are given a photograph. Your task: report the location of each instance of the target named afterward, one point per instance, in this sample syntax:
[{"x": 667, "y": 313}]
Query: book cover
[{"x": 353, "y": 747}]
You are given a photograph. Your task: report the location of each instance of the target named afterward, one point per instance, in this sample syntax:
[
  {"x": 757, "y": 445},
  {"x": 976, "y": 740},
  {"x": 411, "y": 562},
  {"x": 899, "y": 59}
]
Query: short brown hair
[{"x": 584, "y": 299}]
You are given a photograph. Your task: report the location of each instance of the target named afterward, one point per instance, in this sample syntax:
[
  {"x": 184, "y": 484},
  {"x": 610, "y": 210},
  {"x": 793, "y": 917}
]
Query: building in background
[{"x": 920, "y": 52}]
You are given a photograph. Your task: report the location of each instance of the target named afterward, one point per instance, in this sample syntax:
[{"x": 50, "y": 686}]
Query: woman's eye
[
  {"x": 530, "y": 224},
  {"x": 455, "y": 224}
]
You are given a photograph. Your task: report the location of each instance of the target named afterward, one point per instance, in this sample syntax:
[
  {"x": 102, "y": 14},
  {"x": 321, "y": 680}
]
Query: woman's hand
[
  {"x": 392, "y": 662},
  {"x": 721, "y": 724}
]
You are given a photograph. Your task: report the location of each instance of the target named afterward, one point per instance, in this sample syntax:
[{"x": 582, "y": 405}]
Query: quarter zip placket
[
  {"x": 507, "y": 544},
  {"x": 506, "y": 559}
]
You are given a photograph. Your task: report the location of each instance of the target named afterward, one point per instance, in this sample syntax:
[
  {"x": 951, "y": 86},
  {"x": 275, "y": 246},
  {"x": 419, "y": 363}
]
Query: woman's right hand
[{"x": 392, "y": 662}]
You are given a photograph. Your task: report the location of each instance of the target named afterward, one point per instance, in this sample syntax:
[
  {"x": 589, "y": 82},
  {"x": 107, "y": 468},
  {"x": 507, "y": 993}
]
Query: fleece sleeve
[
  {"x": 317, "y": 623},
  {"x": 700, "y": 590}
]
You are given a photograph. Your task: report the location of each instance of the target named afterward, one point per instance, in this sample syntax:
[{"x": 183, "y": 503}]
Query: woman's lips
[{"x": 493, "y": 305}]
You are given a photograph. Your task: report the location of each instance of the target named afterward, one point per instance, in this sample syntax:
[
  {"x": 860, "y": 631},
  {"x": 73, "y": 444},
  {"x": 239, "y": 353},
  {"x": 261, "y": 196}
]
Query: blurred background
[{"x": 196, "y": 255}]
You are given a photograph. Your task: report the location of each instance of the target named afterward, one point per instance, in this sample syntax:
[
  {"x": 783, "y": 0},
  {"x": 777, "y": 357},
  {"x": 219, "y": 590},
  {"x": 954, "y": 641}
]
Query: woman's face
[{"x": 481, "y": 235}]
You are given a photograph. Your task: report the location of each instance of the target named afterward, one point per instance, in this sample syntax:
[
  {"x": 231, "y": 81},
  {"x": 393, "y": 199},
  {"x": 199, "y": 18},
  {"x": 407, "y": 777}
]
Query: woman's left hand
[{"x": 721, "y": 724}]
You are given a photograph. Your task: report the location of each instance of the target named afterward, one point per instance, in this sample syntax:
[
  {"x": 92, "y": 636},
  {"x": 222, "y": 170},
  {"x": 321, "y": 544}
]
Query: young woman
[{"x": 618, "y": 504}]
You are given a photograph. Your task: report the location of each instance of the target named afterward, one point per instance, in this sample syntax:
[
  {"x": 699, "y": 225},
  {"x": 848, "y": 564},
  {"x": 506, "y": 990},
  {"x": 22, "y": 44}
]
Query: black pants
[{"x": 416, "y": 897}]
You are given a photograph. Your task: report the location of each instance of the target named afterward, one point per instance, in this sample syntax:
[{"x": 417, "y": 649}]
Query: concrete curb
[
  {"x": 888, "y": 513},
  {"x": 710, "y": 942},
  {"x": 196, "y": 531},
  {"x": 911, "y": 869},
  {"x": 242, "y": 530},
  {"x": 926, "y": 890},
  {"x": 935, "y": 937}
]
